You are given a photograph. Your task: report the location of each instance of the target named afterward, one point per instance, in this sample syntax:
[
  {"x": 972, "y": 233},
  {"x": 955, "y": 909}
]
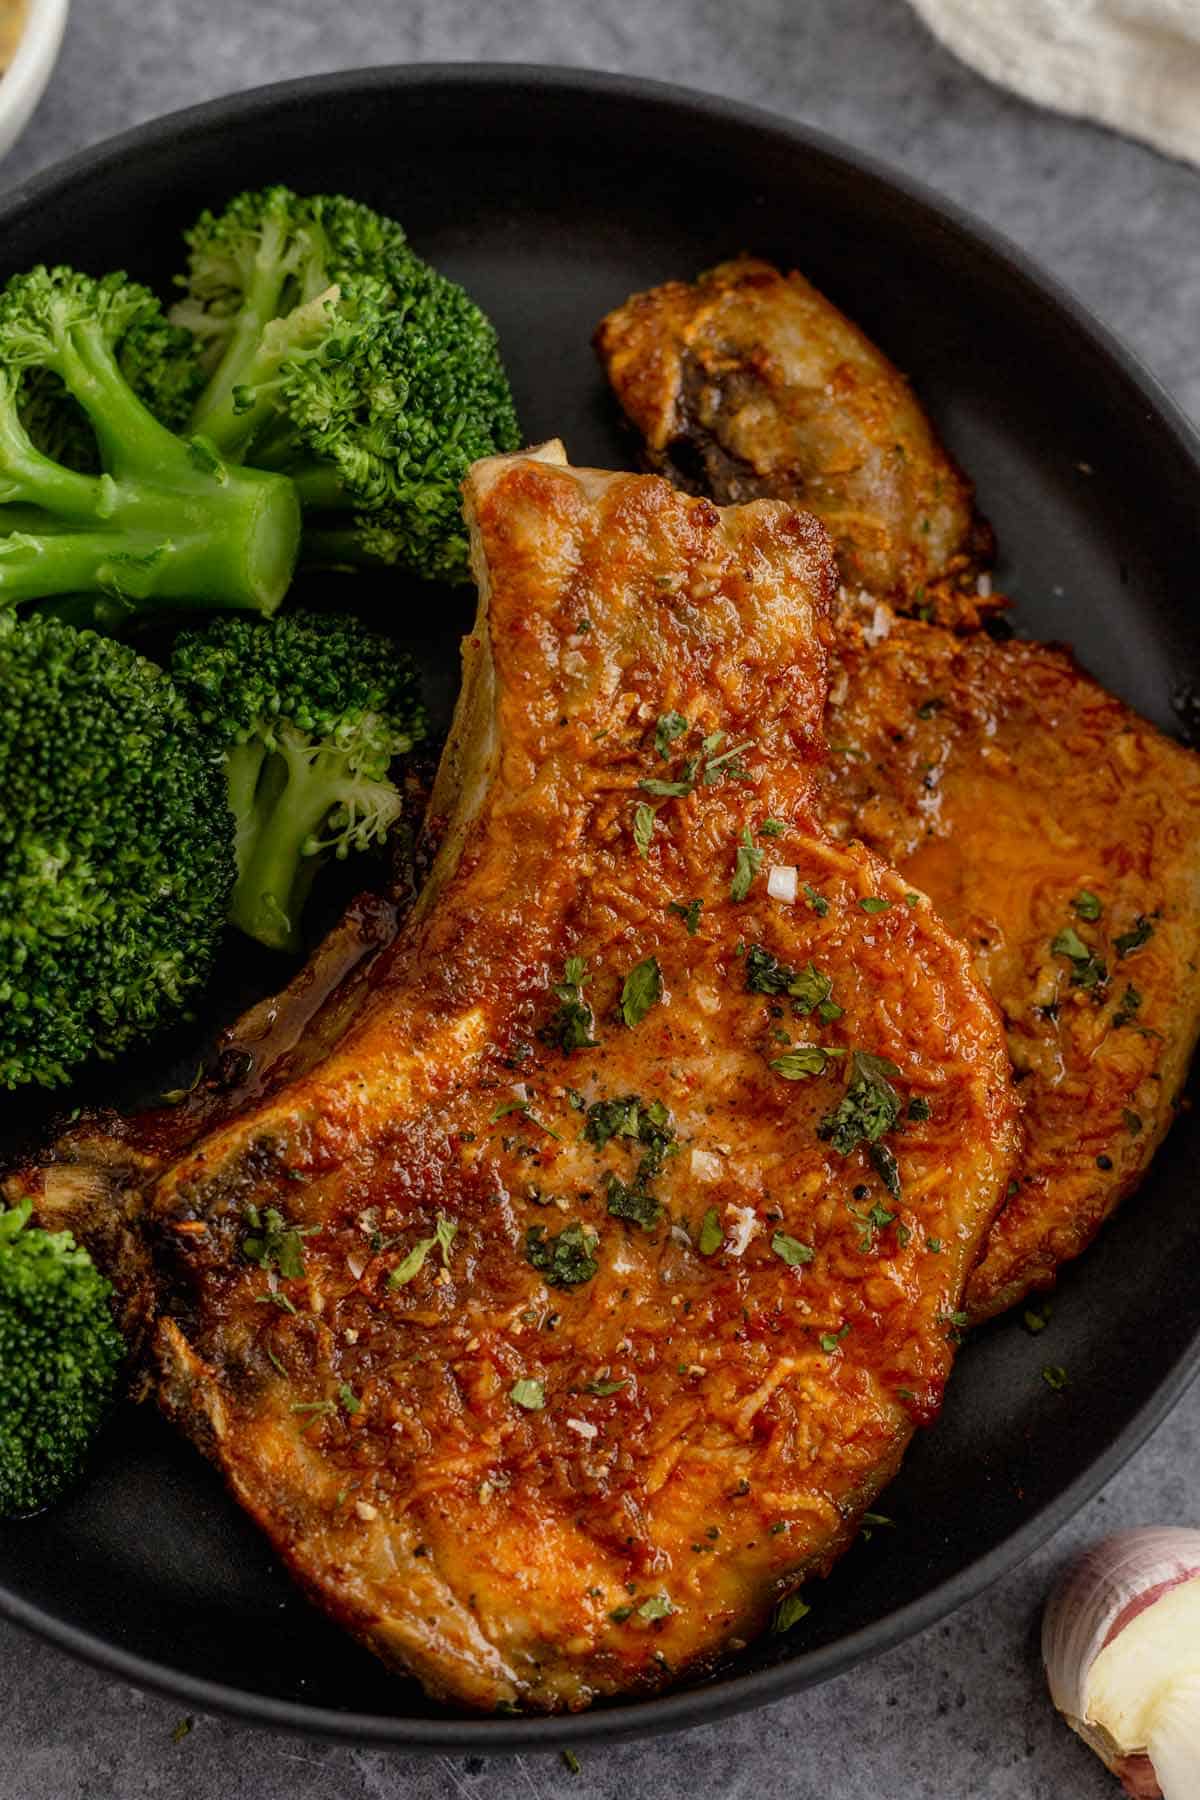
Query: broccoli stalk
[
  {"x": 310, "y": 711},
  {"x": 60, "y": 1356},
  {"x": 167, "y": 522},
  {"x": 337, "y": 357}
]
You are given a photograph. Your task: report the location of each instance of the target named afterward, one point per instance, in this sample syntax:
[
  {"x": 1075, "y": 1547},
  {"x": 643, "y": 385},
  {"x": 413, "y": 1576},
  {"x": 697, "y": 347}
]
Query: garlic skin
[{"x": 1121, "y": 1645}]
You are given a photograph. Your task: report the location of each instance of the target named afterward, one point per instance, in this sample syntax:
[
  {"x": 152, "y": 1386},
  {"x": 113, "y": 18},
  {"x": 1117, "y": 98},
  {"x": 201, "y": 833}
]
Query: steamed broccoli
[
  {"x": 161, "y": 363},
  {"x": 116, "y": 849},
  {"x": 60, "y": 1355},
  {"x": 339, "y": 358},
  {"x": 310, "y": 711},
  {"x": 166, "y": 521}
]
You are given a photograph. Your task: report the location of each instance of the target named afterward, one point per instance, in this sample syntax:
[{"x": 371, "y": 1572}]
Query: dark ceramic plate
[{"x": 552, "y": 195}]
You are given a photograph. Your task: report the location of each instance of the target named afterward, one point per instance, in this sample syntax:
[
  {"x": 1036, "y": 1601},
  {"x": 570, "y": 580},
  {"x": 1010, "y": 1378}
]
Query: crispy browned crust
[
  {"x": 1004, "y": 782},
  {"x": 1022, "y": 782},
  {"x": 748, "y": 383},
  {"x": 697, "y": 1439}
]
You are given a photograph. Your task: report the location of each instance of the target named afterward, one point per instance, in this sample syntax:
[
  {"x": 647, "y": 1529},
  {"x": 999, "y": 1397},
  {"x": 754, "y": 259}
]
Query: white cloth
[{"x": 1131, "y": 64}]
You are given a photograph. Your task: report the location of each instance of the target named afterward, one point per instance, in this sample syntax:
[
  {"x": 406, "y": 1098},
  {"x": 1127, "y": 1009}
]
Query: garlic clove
[{"x": 1121, "y": 1643}]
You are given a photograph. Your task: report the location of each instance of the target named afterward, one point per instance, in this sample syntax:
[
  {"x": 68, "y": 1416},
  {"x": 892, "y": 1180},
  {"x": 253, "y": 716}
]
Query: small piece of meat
[
  {"x": 998, "y": 777},
  {"x": 548, "y": 1326},
  {"x": 1024, "y": 799},
  {"x": 750, "y": 383}
]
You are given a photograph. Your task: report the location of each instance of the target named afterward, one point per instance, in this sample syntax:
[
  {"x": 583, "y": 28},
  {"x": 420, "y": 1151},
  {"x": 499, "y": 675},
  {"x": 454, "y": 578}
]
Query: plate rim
[{"x": 708, "y": 1701}]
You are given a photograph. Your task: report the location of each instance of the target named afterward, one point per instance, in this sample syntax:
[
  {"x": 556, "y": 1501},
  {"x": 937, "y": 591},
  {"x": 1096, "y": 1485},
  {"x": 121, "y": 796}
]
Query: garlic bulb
[{"x": 1121, "y": 1644}]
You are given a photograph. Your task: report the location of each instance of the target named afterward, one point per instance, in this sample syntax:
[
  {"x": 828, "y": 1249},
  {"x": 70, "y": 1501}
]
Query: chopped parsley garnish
[
  {"x": 808, "y": 988},
  {"x": 605, "y": 1388},
  {"x": 566, "y": 1260},
  {"x": 508, "y": 1107},
  {"x": 689, "y": 912},
  {"x": 651, "y": 1127},
  {"x": 1133, "y": 1121},
  {"x": 631, "y": 1117},
  {"x": 956, "y": 1319},
  {"x": 791, "y": 1251},
  {"x": 656, "y": 1606},
  {"x": 706, "y": 766},
  {"x": 414, "y": 1262},
  {"x": 528, "y": 1393},
  {"x": 746, "y": 866},
  {"x": 643, "y": 827},
  {"x": 672, "y": 790},
  {"x": 803, "y": 1060},
  {"x": 351, "y": 1403},
  {"x": 1087, "y": 969},
  {"x": 571, "y": 1762},
  {"x": 874, "y": 903},
  {"x": 772, "y": 828},
  {"x": 642, "y": 989},
  {"x": 1140, "y": 933},
  {"x": 571, "y": 1025},
  {"x": 1035, "y": 1318},
  {"x": 874, "y": 1220},
  {"x": 711, "y": 1234},
  {"x": 934, "y": 1246},
  {"x": 718, "y": 768},
  {"x": 928, "y": 707},
  {"x": 670, "y": 726},
  {"x": 1087, "y": 905},
  {"x": 818, "y": 902},
  {"x": 273, "y": 1243},
  {"x": 886, "y": 1167},
  {"x": 919, "y": 1108},
  {"x": 445, "y": 1230},
  {"x": 1128, "y": 1007},
  {"x": 831, "y": 1339},
  {"x": 632, "y": 1203},
  {"x": 869, "y": 1107},
  {"x": 912, "y": 898},
  {"x": 765, "y": 974},
  {"x": 789, "y": 1612},
  {"x": 1055, "y": 1377},
  {"x": 314, "y": 1408},
  {"x": 612, "y": 1118}
]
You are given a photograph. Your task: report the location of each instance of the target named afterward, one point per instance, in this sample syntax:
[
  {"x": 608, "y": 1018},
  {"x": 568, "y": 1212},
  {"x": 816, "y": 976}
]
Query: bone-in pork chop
[
  {"x": 750, "y": 383},
  {"x": 570, "y": 1307},
  {"x": 1000, "y": 778}
]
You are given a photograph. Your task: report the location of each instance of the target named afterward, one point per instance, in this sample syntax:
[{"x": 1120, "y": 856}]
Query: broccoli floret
[
  {"x": 341, "y": 359},
  {"x": 166, "y": 522},
  {"x": 60, "y": 1355},
  {"x": 161, "y": 363},
  {"x": 310, "y": 711},
  {"x": 116, "y": 849}
]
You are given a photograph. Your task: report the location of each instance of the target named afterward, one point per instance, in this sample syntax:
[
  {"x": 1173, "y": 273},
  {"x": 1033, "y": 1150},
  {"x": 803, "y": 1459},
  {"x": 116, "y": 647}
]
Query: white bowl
[{"x": 24, "y": 81}]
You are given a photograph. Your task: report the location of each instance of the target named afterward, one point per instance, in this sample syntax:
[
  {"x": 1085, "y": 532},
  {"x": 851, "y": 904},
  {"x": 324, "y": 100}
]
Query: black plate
[{"x": 553, "y": 194}]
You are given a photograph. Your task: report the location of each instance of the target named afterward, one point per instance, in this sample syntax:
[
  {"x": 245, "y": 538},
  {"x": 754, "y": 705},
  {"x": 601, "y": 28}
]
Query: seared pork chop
[
  {"x": 572, "y": 1304},
  {"x": 1059, "y": 834},
  {"x": 749, "y": 383},
  {"x": 998, "y": 776}
]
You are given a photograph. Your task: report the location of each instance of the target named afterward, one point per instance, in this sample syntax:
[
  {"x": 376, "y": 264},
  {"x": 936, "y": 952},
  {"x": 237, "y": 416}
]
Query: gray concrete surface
[{"x": 958, "y": 1714}]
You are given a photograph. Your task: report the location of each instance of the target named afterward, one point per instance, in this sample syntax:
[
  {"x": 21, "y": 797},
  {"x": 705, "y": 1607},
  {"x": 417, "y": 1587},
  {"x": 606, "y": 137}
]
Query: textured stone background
[{"x": 958, "y": 1714}]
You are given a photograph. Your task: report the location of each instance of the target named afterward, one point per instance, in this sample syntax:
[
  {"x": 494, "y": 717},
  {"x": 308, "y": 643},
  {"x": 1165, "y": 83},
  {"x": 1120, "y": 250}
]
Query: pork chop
[
  {"x": 570, "y": 1306},
  {"x": 750, "y": 383},
  {"x": 1059, "y": 835},
  {"x": 998, "y": 776}
]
